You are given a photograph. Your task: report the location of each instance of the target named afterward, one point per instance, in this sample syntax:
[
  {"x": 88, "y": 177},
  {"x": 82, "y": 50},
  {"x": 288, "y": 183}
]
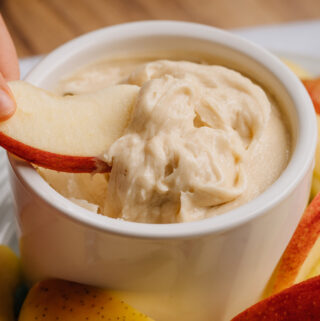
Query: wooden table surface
[{"x": 38, "y": 26}]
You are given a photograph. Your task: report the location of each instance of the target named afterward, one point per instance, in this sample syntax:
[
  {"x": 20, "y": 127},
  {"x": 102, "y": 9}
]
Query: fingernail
[{"x": 7, "y": 105}]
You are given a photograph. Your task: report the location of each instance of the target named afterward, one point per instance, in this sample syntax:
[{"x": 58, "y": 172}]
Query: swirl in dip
[{"x": 202, "y": 140}]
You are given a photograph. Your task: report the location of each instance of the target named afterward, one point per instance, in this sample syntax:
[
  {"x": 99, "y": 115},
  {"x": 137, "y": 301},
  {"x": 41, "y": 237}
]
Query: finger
[
  {"x": 9, "y": 70},
  {"x": 9, "y": 64},
  {"x": 7, "y": 102}
]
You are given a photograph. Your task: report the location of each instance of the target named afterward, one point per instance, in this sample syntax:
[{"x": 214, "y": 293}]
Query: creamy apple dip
[{"x": 202, "y": 139}]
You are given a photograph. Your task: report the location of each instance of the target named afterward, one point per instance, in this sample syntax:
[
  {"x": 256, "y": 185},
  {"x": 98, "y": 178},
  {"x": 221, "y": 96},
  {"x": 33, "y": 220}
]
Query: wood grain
[{"x": 38, "y": 26}]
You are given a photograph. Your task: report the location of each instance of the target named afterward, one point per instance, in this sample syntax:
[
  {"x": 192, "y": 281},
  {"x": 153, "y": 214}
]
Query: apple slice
[
  {"x": 315, "y": 186},
  {"x": 302, "y": 252},
  {"x": 300, "y": 302},
  {"x": 298, "y": 70},
  {"x": 68, "y": 133},
  {"x": 10, "y": 277},
  {"x": 313, "y": 88},
  {"x": 68, "y": 301},
  {"x": 315, "y": 189}
]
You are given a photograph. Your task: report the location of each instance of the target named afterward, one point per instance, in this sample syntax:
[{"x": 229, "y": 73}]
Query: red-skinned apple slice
[
  {"x": 302, "y": 252},
  {"x": 313, "y": 88},
  {"x": 66, "y": 133},
  {"x": 300, "y": 302}
]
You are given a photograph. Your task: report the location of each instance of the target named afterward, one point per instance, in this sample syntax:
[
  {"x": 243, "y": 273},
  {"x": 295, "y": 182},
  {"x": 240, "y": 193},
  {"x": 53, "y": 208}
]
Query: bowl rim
[{"x": 300, "y": 162}]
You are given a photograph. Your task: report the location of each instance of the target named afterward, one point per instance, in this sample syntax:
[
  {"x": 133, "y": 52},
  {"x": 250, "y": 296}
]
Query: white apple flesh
[{"x": 70, "y": 133}]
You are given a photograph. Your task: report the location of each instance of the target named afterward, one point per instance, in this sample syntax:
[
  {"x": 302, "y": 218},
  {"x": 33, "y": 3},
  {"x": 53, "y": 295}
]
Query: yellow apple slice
[
  {"x": 66, "y": 133},
  {"x": 302, "y": 253},
  {"x": 317, "y": 164},
  {"x": 297, "y": 69},
  {"x": 60, "y": 300},
  {"x": 9, "y": 280},
  {"x": 315, "y": 186}
]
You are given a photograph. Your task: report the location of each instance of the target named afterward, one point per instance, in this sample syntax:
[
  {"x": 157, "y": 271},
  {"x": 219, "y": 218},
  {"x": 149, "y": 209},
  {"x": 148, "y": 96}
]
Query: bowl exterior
[{"x": 211, "y": 277}]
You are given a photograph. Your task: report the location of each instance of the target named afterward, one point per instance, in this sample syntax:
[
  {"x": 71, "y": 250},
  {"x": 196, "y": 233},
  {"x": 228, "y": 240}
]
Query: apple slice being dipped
[{"x": 68, "y": 133}]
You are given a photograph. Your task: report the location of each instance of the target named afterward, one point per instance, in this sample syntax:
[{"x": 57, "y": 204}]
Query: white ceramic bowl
[{"x": 205, "y": 270}]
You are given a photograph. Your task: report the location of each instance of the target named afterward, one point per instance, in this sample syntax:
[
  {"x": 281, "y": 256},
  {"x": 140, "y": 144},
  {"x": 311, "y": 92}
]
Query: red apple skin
[
  {"x": 313, "y": 88},
  {"x": 301, "y": 302},
  {"x": 63, "y": 163},
  {"x": 302, "y": 241}
]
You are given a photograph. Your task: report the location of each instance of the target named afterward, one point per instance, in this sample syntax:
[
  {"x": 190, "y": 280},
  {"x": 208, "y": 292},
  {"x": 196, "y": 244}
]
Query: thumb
[{"x": 7, "y": 102}]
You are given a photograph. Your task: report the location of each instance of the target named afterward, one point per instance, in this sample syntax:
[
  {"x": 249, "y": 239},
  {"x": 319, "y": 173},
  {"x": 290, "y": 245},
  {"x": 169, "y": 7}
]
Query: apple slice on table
[
  {"x": 302, "y": 253},
  {"x": 54, "y": 300},
  {"x": 300, "y": 302},
  {"x": 315, "y": 189},
  {"x": 10, "y": 277},
  {"x": 313, "y": 88},
  {"x": 298, "y": 70},
  {"x": 66, "y": 133}
]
